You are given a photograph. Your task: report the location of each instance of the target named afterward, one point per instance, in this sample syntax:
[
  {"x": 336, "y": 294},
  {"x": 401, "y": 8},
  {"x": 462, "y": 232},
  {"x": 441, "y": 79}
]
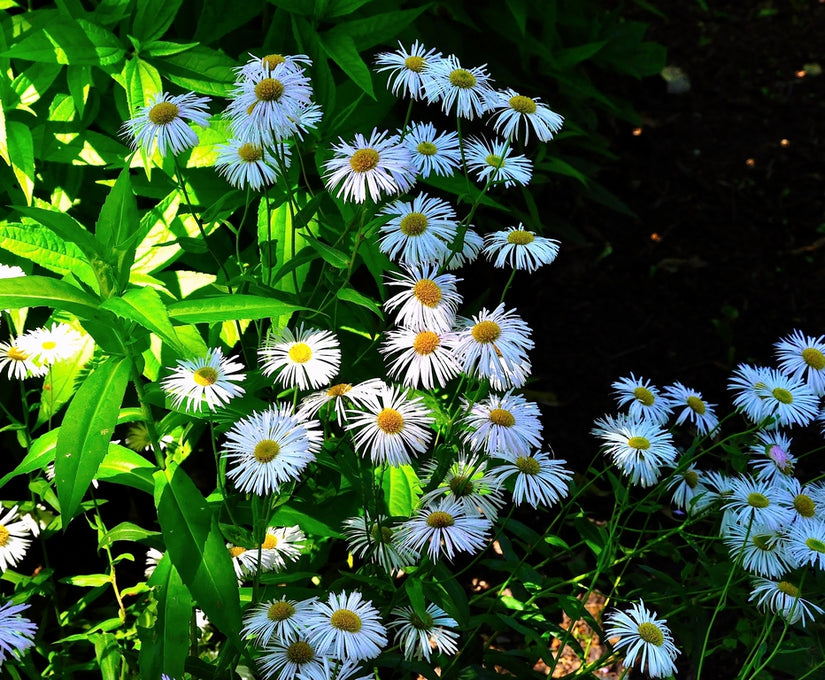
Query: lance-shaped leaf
[
  {"x": 118, "y": 228},
  {"x": 86, "y": 431},
  {"x": 145, "y": 307},
  {"x": 194, "y": 541},
  {"x": 228, "y": 308},
  {"x": 67, "y": 228},
  {"x": 41, "y": 291}
]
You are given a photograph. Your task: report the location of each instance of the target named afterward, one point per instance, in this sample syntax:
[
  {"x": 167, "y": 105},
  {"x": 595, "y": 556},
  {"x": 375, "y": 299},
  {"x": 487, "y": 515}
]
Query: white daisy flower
[
  {"x": 420, "y": 231},
  {"x": 539, "y": 479},
  {"x": 783, "y": 599},
  {"x": 772, "y": 456},
  {"x": 248, "y": 165},
  {"x": 153, "y": 558},
  {"x": 245, "y": 561},
  {"x": 789, "y": 400},
  {"x": 694, "y": 409},
  {"x": 307, "y": 118},
  {"x": 390, "y": 426},
  {"x": 803, "y": 502},
  {"x": 137, "y": 438},
  {"x": 426, "y": 300},
  {"x": 270, "y": 448},
  {"x": 507, "y": 423},
  {"x": 380, "y": 164},
  {"x": 689, "y": 492},
  {"x": 422, "y": 358},
  {"x": 758, "y": 501},
  {"x": 645, "y": 637},
  {"x": 519, "y": 248},
  {"x": 261, "y": 67},
  {"x": 494, "y": 162},
  {"x": 211, "y": 379},
  {"x": 763, "y": 549},
  {"x": 14, "y": 539},
  {"x": 494, "y": 346},
  {"x": 445, "y": 528},
  {"x": 347, "y": 627},
  {"x": 468, "y": 254},
  {"x": 748, "y": 383},
  {"x": 468, "y": 91},
  {"x": 376, "y": 540},
  {"x": 282, "y": 545},
  {"x": 299, "y": 658},
  {"x": 806, "y": 543},
  {"x": 406, "y": 69},
  {"x": 265, "y": 104},
  {"x": 803, "y": 356},
  {"x": 341, "y": 396},
  {"x": 16, "y": 632},
  {"x": 162, "y": 123},
  {"x": 467, "y": 481},
  {"x": 642, "y": 399},
  {"x": 11, "y": 272},
  {"x": 513, "y": 112},
  {"x": 640, "y": 448},
  {"x": 19, "y": 361},
  {"x": 281, "y": 619},
  {"x": 304, "y": 358},
  {"x": 417, "y": 634},
  {"x": 47, "y": 346},
  {"x": 433, "y": 152}
]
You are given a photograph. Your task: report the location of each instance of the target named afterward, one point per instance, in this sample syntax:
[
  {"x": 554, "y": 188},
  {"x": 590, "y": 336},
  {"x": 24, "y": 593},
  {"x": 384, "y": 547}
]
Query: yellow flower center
[
  {"x": 269, "y": 90},
  {"x": 788, "y": 589},
  {"x": 299, "y": 653},
  {"x": 415, "y": 63},
  {"x": 527, "y": 465},
  {"x": 522, "y": 104},
  {"x": 696, "y": 404},
  {"x": 650, "y": 632},
  {"x": 4, "y": 535},
  {"x": 270, "y": 61},
  {"x": 338, "y": 390},
  {"x": 486, "y": 331},
  {"x": 427, "y": 292},
  {"x": 280, "y": 611},
  {"x": 414, "y": 224},
  {"x": 782, "y": 395},
  {"x": 163, "y": 113},
  {"x": 364, "y": 160},
  {"x": 236, "y": 550},
  {"x": 814, "y": 358},
  {"x": 495, "y": 161},
  {"x": 501, "y": 416},
  {"x": 758, "y": 500},
  {"x": 300, "y": 353},
  {"x": 269, "y": 542},
  {"x": 804, "y": 505},
  {"x": 381, "y": 534},
  {"x": 762, "y": 542},
  {"x": 205, "y": 376},
  {"x": 16, "y": 354},
  {"x": 461, "y": 486},
  {"x": 426, "y": 342},
  {"x": 691, "y": 478},
  {"x": 440, "y": 520},
  {"x": 390, "y": 421},
  {"x": 266, "y": 450},
  {"x": 250, "y": 153},
  {"x": 462, "y": 78},
  {"x": 816, "y": 545},
  {"x": 49, "y": 344},
  {"x": 639, "y": 443},
  {"x": 424, "y": 622},
  {"x": 346, "y": 620},
  {"x": 427, "y": 149},
  {"x": 519, "y": 237},
  {"x": 644, "y": 395}
]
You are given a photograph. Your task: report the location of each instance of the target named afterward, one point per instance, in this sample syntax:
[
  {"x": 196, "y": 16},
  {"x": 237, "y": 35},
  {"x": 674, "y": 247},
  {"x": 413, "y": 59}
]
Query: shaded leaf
[{"x": 228, "y": 308}]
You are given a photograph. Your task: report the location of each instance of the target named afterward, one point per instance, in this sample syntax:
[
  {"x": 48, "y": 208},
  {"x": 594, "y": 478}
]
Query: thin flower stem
[
  {"x": 406, "y": 121},
  {"x": 507, "y": 285}
]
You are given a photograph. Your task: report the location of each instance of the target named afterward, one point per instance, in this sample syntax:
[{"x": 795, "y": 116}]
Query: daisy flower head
[
  {"x": 417, "y": 634},
  {"x": 270, "y": 448},
  {"x": 407, "y": 69},
  {"x": 645, "y": 637},
  {"x": 298, "y": 658},
  {"x": 245, "y": 164},
  {"x": 507, "y": 423},
  {"x": 515, "y": 115},
  {"x": 282, "y": 544},
  {"x": 519, "y": 248},
  {"x": 281, "y": 619},
  {"x": 640, "y": 448},
  {"x": 244, "y": 561},
  {"x": 803, "y": 356},
  {"x": 390, "y": 426},
  {"x": 748, "y": 385},
  {"x": 784, "y": 599},
  {"x": 19, "y": 361},
  {"x": 806, "y": 543},
  {"x": 642, "y": 399},
  {"x": 804, "y": 502},
  {"x": 153, "y": 558},
  {"x": 467, "y": 481},
  {"x": 376, "y": 540},
  {"x": 347, "y": 627},
  {"x": 757, "y": 501},
  {"x": 467, "y": 90},
  {"x": 304, "y": 358},
  {"x": 380, "y": 164},
  {"x": 494, "y": 346},
  {"x": 426, "y": 299},
  {"x": 789, "y": 400},
  {"x": 138, "y": 439},
  {"x": 162, "y": 123},
  {"x": 771, "y": 456},
  {"x": 14, "y": 539},
  {"x": 689, "y": 492},
  {"x": 46, "y": 346},
  {"x": 433, "y": 152},
  {"x": 493, "y": 162},
  {"x": 539, "y": 479},
  {"x": 16, "y": 631},
  {"x": 265, "y": 103},
  {"x": 341, "y": 396},
  {"x": 307, "y": 118},
  {"x": 691, "y": 407},
  {"x": 211, "y": 379},
  {"x": 419, "y": 231},
  {"x": 763, "y": 549},
  {"x": 446, "y": 529},
  {"x": 468, "y": 253},
  {"x": 259, "y": 67},
  {"x": 421, "y": 358}
]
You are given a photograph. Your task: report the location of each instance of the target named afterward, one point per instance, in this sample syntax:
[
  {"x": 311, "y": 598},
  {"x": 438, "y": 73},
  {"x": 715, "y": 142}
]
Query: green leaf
[
  {"x": 161, "y": 48},
  {"x": 153, "y": 18},
  {"x": 141, "y": 81},
  {"x": 125, "y": 531},
  {"x": 569, "y": 57},
  {"x": 335, "y": 257},
  {"x": 352, "y": 295},
  {"x": 40, "y": 454},
  {"x": 378, "y": 28},
  {"x": 43, "y": 247},
  {"x": 200, "y": 69},
  {"x": 64, "y": 40},
  {"x": 21, "y": 155},
  {"x": 303, "y": 7},
  {"x": 518, "y": 8},
  {"x": 277, "y": 246},
  {"x": 144, "y": 306},
  {"x": 337, "y": 8},
  {"x": 227, "y": 308},
  {"x": 342, "y": 50},
  {"x": 62, "y": 381},
  {"x": 117, "y": 227},
  {"x": 4, "y": 138},
  {"x": 108, "y": 655},
  {"x": 79, "y": 79},
  {"x": 219, "y": 17},
  {"x": 401, "y": 489},
  {"x": 196, "y": 547},
  {"x": 40, "y": 291},
  {"x": 87, "y": 431},
  {"x": 67, "y": 228},
  {"x": 127, "y": 468}
]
